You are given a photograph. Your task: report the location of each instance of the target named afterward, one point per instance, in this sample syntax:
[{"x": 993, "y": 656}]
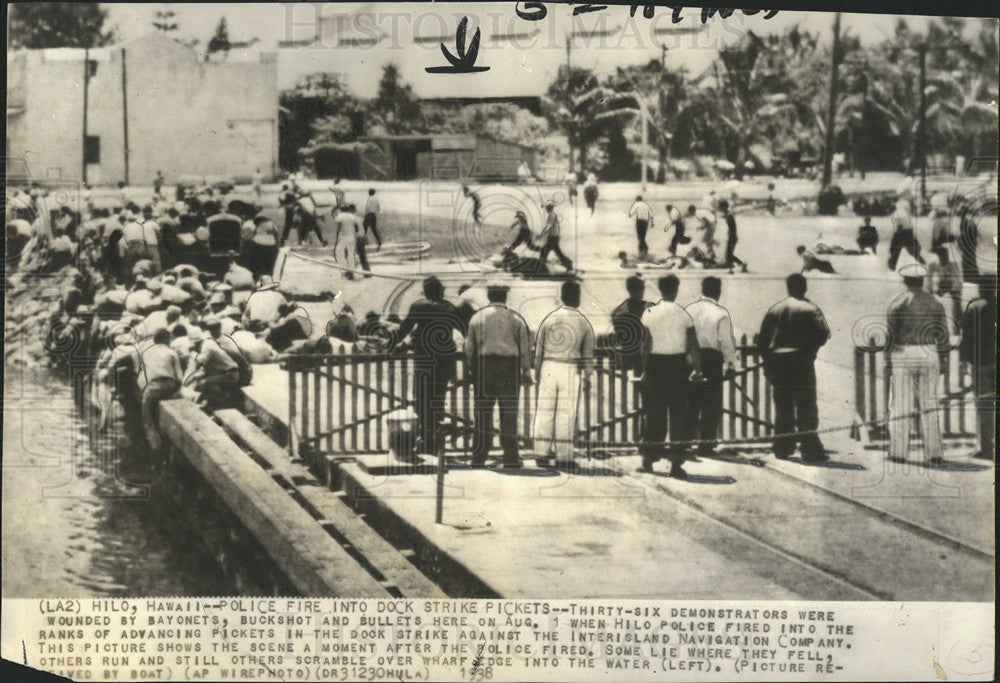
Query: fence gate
[
  {"x": 871, "y": 396},
  {"x": 338, "y": 403}
]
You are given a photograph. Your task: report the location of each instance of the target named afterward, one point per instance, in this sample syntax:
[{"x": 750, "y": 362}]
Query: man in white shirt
[
  {"x": 564, "y": 350},
  {"x": 706, "y": 221},
  {"x": 355, "y": 241},
  {"x": 643, "y": 221},
  {"x": 551, "y": 234},
  {"x": 151, "y": 237},
  {"x": 670, "y": 364},
  {"x": 262, "y": 305},
  {"x": 675, "y": 219},
  {"x": 258, "y": 182},
  {"x": 716, "y": 350},
  {"x": 161, "y": 369},
  {"x": 372, "y": 210}
]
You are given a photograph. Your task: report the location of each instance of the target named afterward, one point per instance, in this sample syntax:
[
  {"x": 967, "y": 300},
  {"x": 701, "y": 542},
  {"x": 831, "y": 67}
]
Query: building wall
[{"x": 185, "y": 117}]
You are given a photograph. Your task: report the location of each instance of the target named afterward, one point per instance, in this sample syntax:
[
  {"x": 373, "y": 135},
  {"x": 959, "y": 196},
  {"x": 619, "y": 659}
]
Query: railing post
[
  {"x": 859, "y": 384},
  {"x": 292, "y": 416}
]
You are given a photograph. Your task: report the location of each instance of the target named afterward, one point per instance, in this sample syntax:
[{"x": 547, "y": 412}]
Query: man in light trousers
[
  {"x": 918, "y": 342},
  {"x": 564, "y": 351}
]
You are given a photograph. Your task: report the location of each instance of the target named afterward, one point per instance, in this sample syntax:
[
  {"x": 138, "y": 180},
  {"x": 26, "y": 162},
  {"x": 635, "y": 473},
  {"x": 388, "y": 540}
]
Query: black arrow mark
[{"x": 465, "y": 63}]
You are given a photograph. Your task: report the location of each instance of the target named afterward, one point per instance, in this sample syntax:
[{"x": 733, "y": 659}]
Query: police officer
[{"x": 917, "y": 343}]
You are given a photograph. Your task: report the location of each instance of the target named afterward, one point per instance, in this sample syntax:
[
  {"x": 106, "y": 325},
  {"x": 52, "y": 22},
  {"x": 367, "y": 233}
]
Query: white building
[{"x": 139, "y": 107}]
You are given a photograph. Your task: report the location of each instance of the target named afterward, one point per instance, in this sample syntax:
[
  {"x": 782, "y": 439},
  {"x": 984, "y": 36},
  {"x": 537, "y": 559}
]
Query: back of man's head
[
  {"x": 668, "y": 285},
  {"x": 570, "y": 293},
  {"x": 711, "y": 287},
  {"x": 433, "y": 289},
  {"x": 161, "y": 336},
  {"x": 497, "y": 295},
  {"x": 796, "y": 285},
  {"x": 635, "y": 285}
]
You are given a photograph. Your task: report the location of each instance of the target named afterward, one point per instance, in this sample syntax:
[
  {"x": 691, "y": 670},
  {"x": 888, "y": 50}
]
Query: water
[{"x": 79, "y": 519}]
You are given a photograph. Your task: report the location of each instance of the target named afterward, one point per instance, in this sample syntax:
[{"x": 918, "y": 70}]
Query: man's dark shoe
[
  {"x": 823, "y": 457},
  {"x": 783, "y": 456},
  {"x": 936, "y": 461},
  {"x": 983, "y": 455},
  {"x": 477, "y": 464},
  {"x": 513, "y": 465},
  {"x": 677, "y": 472}
]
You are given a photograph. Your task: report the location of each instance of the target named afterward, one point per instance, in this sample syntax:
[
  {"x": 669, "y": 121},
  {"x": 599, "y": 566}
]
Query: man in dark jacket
[
  {"x": 626, "y": 320},
  {"x": 978, "y": 353},
  {"x": 431, "y": 321},
  {"x": 792, "y": 332}
]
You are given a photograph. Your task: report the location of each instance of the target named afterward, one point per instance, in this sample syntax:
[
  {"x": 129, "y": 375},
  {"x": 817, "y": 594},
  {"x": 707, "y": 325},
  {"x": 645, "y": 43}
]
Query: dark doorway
[
  {"x": 336, "y": 163},
  {"x": 405, "y": 154}
]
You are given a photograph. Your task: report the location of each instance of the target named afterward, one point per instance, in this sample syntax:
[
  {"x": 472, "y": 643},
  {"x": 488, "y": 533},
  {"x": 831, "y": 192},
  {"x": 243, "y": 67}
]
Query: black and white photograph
[{"x": 499, "y": 341}]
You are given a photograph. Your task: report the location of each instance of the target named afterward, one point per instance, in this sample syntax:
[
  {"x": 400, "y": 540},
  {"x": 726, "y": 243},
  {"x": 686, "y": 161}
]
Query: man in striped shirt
[{"x": 498, "y": 356}]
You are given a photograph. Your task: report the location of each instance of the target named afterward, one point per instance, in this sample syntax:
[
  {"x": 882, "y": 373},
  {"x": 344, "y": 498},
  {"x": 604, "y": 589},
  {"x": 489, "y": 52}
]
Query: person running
[
  {"x": 867, "y": 236},
  {"x": 476, "y": 204},
  {"x": 287, "y": 201},
  {"x": 732, "y": 259},
  {"x": 675, "y": 219},
  {"x": 309, "y": 222},
  {"x": 706, "y": 221},
  {"x": 571, "y": 181},
  {"x": 643, "y": 221},
  {"x": 372, "y": 210},
  {"x": 903, "y": 236},
  {"x": 522, "y": 234},
  {"x": 590, "y": 192}
]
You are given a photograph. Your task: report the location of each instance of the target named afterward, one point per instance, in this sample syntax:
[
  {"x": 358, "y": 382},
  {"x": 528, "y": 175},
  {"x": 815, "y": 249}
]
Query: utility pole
[
  {"x": 86, "y": 85},
  {"x": 831, "y": 114},
  {"x": 125, "y": 115},
  {"x": 569, "y": 135},
  {"x": 921, "y": 127},
  {"x": 864, "y": 118}
]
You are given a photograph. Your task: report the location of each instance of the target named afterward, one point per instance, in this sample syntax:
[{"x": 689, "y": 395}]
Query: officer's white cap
[{"x": 913, "y": 270}]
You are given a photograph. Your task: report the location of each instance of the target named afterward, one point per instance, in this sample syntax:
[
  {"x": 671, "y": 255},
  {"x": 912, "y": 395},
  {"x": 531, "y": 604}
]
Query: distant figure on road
[
  {"x": 551, "y": 233},
  {"x": 158, "y": 184},
  {"x": 522, "y": 233},
  {"x": 732, "y": 259},
  {"x": 523, "y": 172},
  {"x": 675, "y": 219},
  {"x": 812, "y": 262},
  {"x": 258, "y": 182},
  {"x": 564, "y": 351},
  {"x": 867, "y": 236},
  {"x": 571, "y": 181},
  {"x": 792, "y": 332},
  {"x": 903, "y": 236},
  {"x": 498, "y": 356},
  {"x": 287, "y": 201},
  {"x": 372, "y": 210},
  {"x": 978, "y": 354},
  {"x": 590, "y": 192},
  {"x": 476, "y": 204},
  {"x": 643, "y": 221},
  {"x": 917, "y": 345},
  {"x": 355, "y": 244},
  {"x": 338, "y": 194}
]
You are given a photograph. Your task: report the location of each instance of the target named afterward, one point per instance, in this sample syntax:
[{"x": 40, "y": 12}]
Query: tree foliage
[
  {"x": 35, "y": 25},
  {"x": 220, "y": 40}
]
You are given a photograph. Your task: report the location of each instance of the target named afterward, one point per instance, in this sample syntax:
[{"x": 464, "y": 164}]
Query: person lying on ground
[{"x": 811, "y": 262}]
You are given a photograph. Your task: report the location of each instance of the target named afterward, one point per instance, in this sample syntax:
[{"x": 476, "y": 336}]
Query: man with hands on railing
[
  {"x": 670, "y": 364},
  {"x": 497, "y": 355},
  {"x": 563, "y": 361}
]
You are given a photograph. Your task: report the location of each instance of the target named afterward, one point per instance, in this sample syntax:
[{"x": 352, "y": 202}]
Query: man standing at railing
[
  {"x": 717, "y": 352},
  {"x": 670, "y": 364},
  {"x": 916, "y": 346},
  {"x": 978, "y": 354},
  {"x": 626, "y": 320},
  {"x": 791, "y": 334},
  {"x": 432, "y": 322},
  {"x": 498, "y": 357},
  {"x": 564, "y": 350}
]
